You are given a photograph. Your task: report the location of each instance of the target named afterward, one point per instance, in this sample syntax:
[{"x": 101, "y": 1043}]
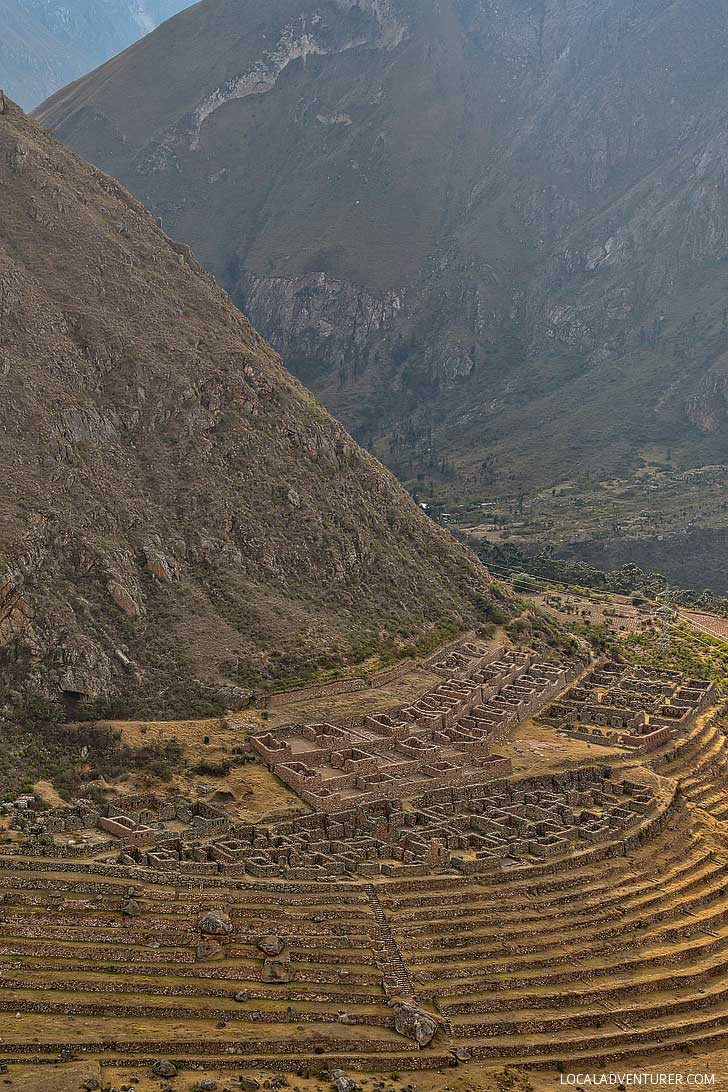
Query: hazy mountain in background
[
  {"x": 492, "y": 237},
  {"x": 178, "y": 514},
  {"x": 45, "y": 44}
]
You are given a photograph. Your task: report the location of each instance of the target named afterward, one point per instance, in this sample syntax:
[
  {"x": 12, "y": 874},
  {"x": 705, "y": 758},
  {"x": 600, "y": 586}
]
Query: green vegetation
[
  {"x": 37, "y": 744},
  {"x": 533, "y": 573},
  {"x": 696, "y": 655}
]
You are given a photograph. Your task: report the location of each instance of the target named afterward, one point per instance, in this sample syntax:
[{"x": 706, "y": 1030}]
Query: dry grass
[
  {"x": 539, "y": 749},
  {"x": 47, "y": 793}
]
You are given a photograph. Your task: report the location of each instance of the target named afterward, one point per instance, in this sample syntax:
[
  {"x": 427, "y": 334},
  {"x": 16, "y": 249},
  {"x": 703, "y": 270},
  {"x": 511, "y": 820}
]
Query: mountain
[
  {"x": 47, "y": 43},
  {"x": 179, "y": 517},
  {"x": 491, "y": 237}
]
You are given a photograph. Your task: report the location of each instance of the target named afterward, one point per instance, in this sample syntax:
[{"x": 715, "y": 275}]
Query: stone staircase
[
  {"x": 599, "y": 960},
  {"x": 396, "y": 978}
]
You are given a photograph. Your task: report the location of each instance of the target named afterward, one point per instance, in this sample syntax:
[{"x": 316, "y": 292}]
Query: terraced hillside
[
  {"x": 570, "y": 961},
  {"x": 573, "y": 916},
  {"x": 588, "y": 965}
]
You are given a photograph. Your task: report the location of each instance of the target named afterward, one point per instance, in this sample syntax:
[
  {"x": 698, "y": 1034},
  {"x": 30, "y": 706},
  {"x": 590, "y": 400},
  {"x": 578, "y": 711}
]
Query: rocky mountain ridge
[
  {"x": 47, "y": 43},
  {"x": 492, "y": 239},
  {"x": 180, "y": 521}
]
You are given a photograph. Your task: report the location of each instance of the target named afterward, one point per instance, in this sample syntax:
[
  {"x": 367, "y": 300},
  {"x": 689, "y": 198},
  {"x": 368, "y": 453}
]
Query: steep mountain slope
[
  {"x": 492, "y": 237},
  {"x": 46, "y": 43},
  {"x": 177, "y": 514}
]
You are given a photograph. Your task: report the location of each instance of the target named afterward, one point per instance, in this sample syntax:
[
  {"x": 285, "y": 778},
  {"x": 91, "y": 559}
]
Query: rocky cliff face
[
  {"x": 46, "y": 43},
  {"x": 491, "y": 237},
  {"x": 180, "y": 520}
]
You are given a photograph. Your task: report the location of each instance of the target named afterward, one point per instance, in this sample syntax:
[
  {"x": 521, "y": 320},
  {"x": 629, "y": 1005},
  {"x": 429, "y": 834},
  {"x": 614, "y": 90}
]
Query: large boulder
[
  {"x": 344, "y": 1083},
  {"x": 271, "y": 944},
  {"x": 164, "y": 1068},
  {"x": 208, "y": 950},
  {"x": 215, "y": 923},
  {"x": 411, "y": 1021},
  {"x": 277, "y": 969},
  {"x": 234, "y": 698}
]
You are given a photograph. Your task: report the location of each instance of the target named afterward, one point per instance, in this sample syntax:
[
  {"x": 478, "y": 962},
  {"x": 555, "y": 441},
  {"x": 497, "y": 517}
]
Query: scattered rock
[
  {"x": 415, "y": 1024},
  {"x": 249, "y": 1084},
  {"x": 164, "y": 1068},
  {"x": 271, "y": 944},
  {"x": 158, "y": 565},
  {"x": 207, "y": 1086},
  {"x": 345, "y": 1084},
  {"x": 215, "y": 923}
]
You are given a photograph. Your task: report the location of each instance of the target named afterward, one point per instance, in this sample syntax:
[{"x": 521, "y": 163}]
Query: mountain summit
[
  {"x": 492, "y": 237},
  {"x": 178, "y": 515},
  {"x": 46, "y": 43}
]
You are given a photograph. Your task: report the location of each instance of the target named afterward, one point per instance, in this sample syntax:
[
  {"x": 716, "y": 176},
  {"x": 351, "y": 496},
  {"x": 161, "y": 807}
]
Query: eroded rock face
[
  {"x": 215, "y": 923},
  {"x": 411, "y": 1021}
]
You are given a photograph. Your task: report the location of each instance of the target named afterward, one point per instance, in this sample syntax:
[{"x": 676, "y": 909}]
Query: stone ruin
[
  {"x": 444, "y": 738},
  {"x": 144, "y": 820},
  {"x": 471, "y": 829},
  {"x": 634, "y": 707}
]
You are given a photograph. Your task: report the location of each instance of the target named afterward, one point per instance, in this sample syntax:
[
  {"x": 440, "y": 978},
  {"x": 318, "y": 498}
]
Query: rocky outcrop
[
  {"x": 271, "y": 945},
  {"x": 309, "y": 36},
  {"x": 277, "y": 969},
  {"x": 164, "y": 1068},
  {"x": 208, "y": 950}
]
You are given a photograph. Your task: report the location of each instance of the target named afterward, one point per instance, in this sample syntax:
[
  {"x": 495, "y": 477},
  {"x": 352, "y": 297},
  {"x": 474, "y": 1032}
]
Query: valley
[
  {"x": 660, "y": 519},
  {"x": 492, "y": 242},
  {"x": 363, "y": 518}
]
